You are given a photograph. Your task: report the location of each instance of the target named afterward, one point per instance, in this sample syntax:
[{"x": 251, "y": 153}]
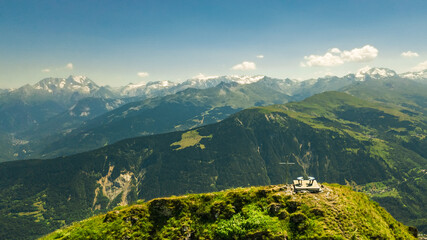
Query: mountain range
[
  {"x": 187, "y": 109},
  {"x": 371, "y": 136},
  {"x": 33, "y": 126}
]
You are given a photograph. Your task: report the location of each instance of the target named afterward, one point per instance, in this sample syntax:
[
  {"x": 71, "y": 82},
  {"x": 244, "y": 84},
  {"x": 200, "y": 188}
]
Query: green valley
[{"x": 181, "y": 111}]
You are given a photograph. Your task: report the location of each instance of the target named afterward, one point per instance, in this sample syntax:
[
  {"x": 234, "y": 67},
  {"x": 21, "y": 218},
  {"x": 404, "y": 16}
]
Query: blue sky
[{"x": 112, "y": 41}]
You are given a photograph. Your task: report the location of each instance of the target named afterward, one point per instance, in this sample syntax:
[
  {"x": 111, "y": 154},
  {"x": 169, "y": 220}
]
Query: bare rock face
[{"x": 112, "y": 188}]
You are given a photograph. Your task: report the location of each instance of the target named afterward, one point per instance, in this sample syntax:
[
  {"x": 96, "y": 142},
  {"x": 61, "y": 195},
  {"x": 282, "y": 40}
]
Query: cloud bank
[{"x": 335, "y": 57}]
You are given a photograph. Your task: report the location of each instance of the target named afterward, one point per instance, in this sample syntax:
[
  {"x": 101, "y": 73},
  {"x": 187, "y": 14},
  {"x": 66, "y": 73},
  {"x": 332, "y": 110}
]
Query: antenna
[{"x": 287, "y": 169}]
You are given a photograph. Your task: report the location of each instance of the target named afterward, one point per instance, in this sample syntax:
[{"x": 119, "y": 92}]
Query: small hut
[{"x": 309, "y": 185}]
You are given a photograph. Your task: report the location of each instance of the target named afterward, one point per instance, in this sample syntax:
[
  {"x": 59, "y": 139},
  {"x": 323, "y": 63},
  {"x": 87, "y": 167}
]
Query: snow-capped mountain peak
[
  {"x": 160, "y": 84},
  {"x": 415, "y": 75},
  {"x": 131, "y": 86},
  {"x": 374, "y": 73},
  {"x": 148, "y": 89},
  {"x": 72, "y": 83},
  {"x": 245, "y": 79},
  {"x": 200, "y": 81},
  {"x": 77, "y": 79}
]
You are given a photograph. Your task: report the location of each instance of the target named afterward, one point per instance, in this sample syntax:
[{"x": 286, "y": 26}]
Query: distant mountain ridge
[
  {"x": 162, "y": 88},
  {"x": 63, "y": 90},
  {"x": 186, "y": 109},
  {"x": 46, "y": 108},
  {"x": 83, "y": 84},
  {"x": 84, "y": 110},
  {"x": 29, "y": 106}
]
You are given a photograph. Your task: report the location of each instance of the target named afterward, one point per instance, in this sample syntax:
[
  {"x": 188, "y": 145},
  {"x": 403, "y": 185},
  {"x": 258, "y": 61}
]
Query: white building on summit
[{"x": 310, "y": 185}]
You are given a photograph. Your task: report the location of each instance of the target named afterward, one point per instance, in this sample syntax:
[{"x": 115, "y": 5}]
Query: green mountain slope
[
  {"x": 26, "y": 107},
  {"x": 396, "y": 91},
  {"x": 324, "y": 135},
  {"x": 84, "y": 110},
  {"x": 273, "y": 212},
  {"x": 187, "y": 109},
  {"x": 5, "y": 145}
]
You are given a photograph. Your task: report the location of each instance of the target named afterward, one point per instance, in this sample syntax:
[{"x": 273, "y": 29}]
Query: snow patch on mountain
[
  {"x": 160, "y": 84},
  {"x": 84, "y": 114},
  {"x": 149, "y": 89},
  {"x": 245, "y": 79},
  {"x": 113, "y": 105},
  {"x": 62, "y": 84},
  {"x": 133, "y": 86},
  {"x": 78, "y": 79}
]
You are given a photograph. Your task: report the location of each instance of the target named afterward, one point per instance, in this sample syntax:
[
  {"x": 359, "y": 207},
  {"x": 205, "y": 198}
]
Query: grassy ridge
[{"x": 272, "y": 212}]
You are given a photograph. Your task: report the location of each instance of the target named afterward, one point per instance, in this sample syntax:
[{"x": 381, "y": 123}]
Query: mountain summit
[
  {"x": 272, "y": 212},
  {"x": 367, "y": 73},
  {"x": 72, "y": 83}
]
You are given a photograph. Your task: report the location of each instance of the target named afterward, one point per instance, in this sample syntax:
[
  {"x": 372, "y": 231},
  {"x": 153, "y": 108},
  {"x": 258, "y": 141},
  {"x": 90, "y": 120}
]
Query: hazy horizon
[{"x": 194, "y": 77}]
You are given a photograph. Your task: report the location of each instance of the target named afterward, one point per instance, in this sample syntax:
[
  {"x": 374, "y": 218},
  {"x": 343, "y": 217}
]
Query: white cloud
[
  {"x": 409, "y": 54},
  {"x": 46, "y": 70},
  {"x": 245, "y": 66},
  {"x": 69, "y": 66},
  {"x": 260, "y": 56},
  {"x": 335, "y": 57},
  {"x": 420, "y": 67},
  {"x": 327, "y": 60},
  {"x": 142, "y": 74},
  {"x": 364, "y": 54}
]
